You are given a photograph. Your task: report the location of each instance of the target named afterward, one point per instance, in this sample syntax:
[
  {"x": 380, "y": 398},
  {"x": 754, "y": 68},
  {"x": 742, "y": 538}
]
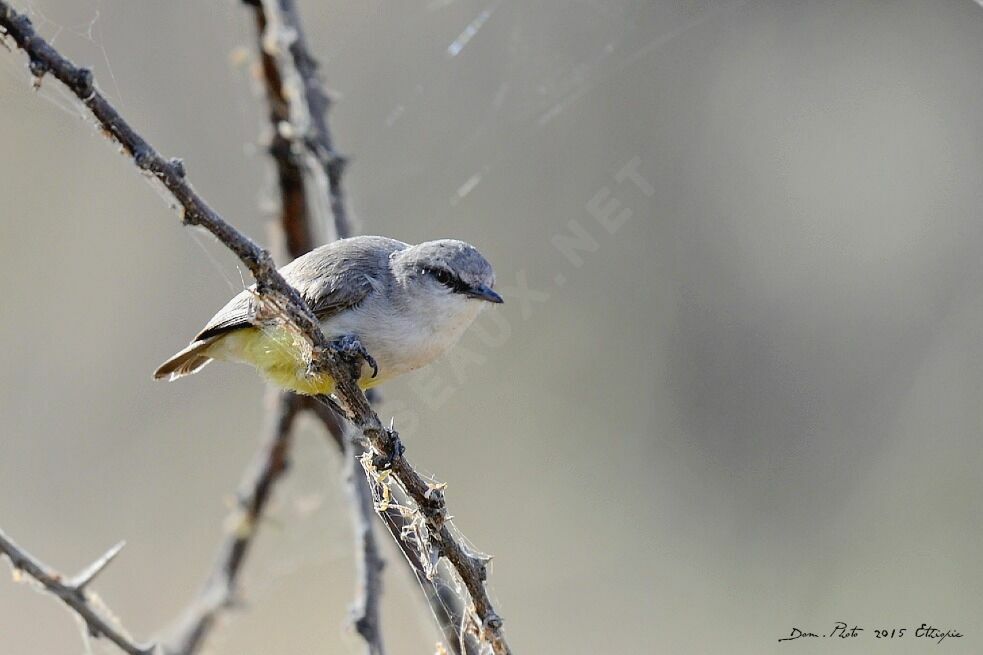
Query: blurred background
[{"x": 735, "y": 388}]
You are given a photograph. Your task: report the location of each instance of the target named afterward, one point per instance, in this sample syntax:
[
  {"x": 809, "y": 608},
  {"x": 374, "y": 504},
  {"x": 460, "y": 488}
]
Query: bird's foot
[
  {"x": 396, "y": 450},
  {"x": 350, "y": 346}
]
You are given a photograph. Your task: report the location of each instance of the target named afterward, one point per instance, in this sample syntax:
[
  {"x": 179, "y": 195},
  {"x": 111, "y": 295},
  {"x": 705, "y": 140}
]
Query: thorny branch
[
  {"x": 281, "y": 30},
  {"x": 44, "y": 59},
  {"x": 296, "y": 99},
  {"x": 296, "y": 218},
  {"x": 427, "y": 496},
  {"x": 446, "y": 604},
  {"x": 72, "y": 592},
  {"x": 296, "y": 221}
]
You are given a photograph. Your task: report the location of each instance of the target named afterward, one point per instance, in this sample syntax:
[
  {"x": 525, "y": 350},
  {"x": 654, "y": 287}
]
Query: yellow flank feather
[{"x": 279, "y": 354}]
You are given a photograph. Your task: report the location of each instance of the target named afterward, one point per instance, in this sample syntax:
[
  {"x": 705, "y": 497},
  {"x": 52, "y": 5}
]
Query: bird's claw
[{"x": 350, "y": 345}]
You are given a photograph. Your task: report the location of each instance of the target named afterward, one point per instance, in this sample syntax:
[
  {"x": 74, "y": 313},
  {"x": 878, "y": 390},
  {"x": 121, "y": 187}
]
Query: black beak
[{"x": 481, "y": 292}]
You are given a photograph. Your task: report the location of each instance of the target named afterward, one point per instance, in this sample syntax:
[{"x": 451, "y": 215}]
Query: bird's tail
[{"x": 188, "y": 361}]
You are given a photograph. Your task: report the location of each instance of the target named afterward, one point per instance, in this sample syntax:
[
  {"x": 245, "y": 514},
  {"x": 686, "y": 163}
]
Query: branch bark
[
  {"x": 311, "y": 115},
  {"x": 428, "y": 497},
  {"x": 72, "y": 592},
  {"x": 307, "y": 165},
  {"x": 297, "y": 221},
  {"x": 44, "y": 59}
]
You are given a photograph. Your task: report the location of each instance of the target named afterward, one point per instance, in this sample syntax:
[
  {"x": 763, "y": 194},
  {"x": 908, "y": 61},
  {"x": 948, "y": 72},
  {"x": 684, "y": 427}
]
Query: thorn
[
  {"x": 38, "y": 69},
  {"x": 23, "y": 22},
  {"x": 83, "y": 80},
  {"x": 337, "y": 163},
  {"x": 178, "y": 165},
  {"x": 79, "y": 582},
  {"x": 480, "y": 562},
  {"x": 392, "y": 423},
  {"x": 493, "y": 621},
  {"x": 434, "y": 487},
  {"x": 142, "y": 158}
]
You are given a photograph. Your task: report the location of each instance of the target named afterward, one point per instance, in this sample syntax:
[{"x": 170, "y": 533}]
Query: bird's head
[{"x": 447, "y": 270}]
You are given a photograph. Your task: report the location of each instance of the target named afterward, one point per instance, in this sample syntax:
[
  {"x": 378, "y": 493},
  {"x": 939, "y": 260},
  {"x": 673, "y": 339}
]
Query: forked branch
[
  {"x": 72, "y": 592},
  {"x": 309, "y": 169},
  {"x": 44, "y": 59}
]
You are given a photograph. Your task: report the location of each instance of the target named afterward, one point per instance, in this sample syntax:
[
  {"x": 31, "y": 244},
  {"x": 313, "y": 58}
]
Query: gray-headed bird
[{"x": 401, "y": 305}]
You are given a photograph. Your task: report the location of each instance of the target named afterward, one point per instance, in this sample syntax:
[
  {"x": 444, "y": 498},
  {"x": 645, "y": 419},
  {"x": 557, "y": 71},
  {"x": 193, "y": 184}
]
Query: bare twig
[
  {"x": 283, "y": 32},
  {"x": 72, "y": 592},
  {"x": 220, "y": 589},
  {"x": 295, "y": 219},
  {"x": 447, "y": 607},
  {"x": 344, "y": 369},
  {"x": 447, "y": 611},
  {"x": 295, "y": 224},
  {"x": 279, "y": 27},
  {"x": 428, "y": 496},
  {"x": 295, "y": 100},
  {"x": 45, "y": 59}
]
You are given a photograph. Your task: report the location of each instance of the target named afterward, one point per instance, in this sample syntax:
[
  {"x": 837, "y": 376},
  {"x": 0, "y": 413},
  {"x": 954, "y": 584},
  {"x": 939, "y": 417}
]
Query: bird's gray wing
[
  {"x": 236, "y": 314},
  {"x": 330, "y": 279}
]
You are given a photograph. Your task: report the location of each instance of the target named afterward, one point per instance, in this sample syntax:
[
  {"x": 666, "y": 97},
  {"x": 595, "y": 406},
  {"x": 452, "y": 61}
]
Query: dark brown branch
[
  {"x": 294, "y": 212},
  {"x": 270, "y": 284},
  {"x": 296, "y": 99},
  {"x": 72, "y": 592},
  {"x": 428, "y": 496},
  {"x": 294, "y": 221},
  {"x": 288, "y": 65},
  {"x": 220, "y": 590},
  {"x": 447, "y": 610},
  {"x": 446, "y": 605},
  {"x": 44, "y": 59},
  {"x": 272, "y": 16},
  {"x": 284, "y": 30}
]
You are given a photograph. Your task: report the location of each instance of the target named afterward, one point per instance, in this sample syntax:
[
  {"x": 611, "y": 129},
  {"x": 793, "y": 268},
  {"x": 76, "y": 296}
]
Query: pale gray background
[{"x": 755, "y": 406}]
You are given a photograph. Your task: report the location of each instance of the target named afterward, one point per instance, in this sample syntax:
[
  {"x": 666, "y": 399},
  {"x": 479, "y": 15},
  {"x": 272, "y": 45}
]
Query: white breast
[{"x": 406, "y": 339}]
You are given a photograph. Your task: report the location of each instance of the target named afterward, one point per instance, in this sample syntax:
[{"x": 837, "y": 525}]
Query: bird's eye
[{"x": 442, "y": 276}]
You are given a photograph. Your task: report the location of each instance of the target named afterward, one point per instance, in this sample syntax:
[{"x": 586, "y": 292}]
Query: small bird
[{"x": 401, "y": 305}]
